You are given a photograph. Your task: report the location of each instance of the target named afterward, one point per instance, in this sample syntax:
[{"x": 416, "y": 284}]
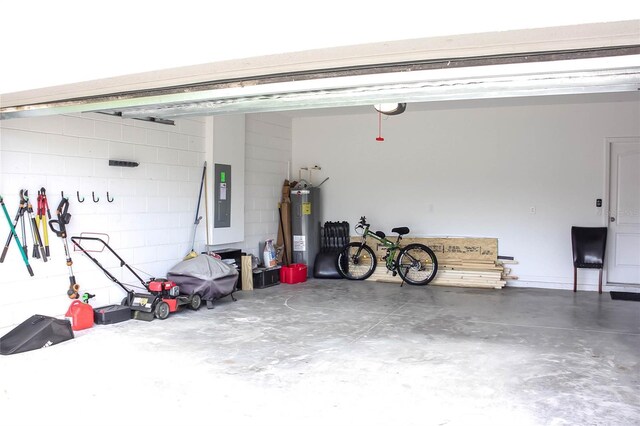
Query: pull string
[{"x": 380, "y": 138}]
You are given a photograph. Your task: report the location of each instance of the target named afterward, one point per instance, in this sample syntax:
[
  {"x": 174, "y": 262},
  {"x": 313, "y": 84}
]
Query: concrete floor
[{"x": 337, "y": 352}]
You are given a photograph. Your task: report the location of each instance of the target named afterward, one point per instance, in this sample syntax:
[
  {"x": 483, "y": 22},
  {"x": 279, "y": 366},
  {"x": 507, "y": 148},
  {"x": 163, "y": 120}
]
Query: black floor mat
[{"x": 624, "y": 295}]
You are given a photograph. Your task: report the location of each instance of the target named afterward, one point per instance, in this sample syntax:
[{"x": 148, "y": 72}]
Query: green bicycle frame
[{"x": 392, "y": 247}]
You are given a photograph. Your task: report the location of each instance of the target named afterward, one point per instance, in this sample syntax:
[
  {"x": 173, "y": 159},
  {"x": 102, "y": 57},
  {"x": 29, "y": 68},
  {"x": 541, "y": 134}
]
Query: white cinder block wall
[
  {"x": 149, "y": 223},
  {"x": 268, "y": 156},
  {"x": 475, "y": 169}
]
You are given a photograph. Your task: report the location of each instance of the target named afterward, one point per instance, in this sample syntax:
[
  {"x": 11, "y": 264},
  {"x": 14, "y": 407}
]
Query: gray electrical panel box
[{"x": 222, "y": 194}]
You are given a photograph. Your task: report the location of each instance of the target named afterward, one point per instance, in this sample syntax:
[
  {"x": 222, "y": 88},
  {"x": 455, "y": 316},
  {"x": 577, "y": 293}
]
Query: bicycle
[{"x": 415, "y": 263}]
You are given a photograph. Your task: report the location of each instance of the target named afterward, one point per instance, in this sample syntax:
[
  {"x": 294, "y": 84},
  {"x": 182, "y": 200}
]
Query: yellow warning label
[{"x": 306, "y": 208}]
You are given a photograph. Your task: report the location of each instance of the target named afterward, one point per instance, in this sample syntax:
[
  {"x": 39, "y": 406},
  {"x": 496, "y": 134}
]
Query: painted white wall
[
  {"x": 474, "y": 169},
  {"x": 225, "y": 136},
  {"x": 268, "y": 156},
  {"x": 267, "y": 159}
]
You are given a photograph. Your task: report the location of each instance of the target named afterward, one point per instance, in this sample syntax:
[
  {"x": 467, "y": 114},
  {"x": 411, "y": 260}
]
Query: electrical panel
[{"x": 222, "y": 194}]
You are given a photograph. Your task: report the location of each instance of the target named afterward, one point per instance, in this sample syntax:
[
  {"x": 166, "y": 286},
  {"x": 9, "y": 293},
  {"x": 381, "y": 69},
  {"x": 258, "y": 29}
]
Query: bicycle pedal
[{"x": 394, "y": 273}]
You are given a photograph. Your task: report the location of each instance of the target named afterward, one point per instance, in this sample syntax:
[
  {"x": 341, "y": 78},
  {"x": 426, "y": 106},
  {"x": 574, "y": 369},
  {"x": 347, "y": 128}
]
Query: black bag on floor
[{"x": 37, "y": 332}]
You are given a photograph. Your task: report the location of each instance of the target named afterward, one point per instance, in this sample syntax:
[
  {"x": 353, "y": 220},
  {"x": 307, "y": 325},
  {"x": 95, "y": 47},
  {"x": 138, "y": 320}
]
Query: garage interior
[{"x": 509, "y": 136}]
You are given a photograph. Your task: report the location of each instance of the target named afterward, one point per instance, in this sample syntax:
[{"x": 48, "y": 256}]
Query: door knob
[{"x": 612, "y": 219}]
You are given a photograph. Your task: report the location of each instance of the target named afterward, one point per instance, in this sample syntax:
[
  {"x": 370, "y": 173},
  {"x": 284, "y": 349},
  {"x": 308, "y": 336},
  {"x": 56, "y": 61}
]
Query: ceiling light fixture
[
  {"x": 387, "y": 109},
  {"x": 391, "y": 108}
]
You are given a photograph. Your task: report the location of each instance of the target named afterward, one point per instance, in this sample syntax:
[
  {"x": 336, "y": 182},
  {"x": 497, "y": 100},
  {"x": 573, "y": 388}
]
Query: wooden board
[
  {"x": 247, "y": 273},
  {"x": 284, "y": 240},
  {"x": 382, "y": 274},
  {"x": 468, "y": 274},
  {"x": 444, "y": 277},
  {"x": 467, "y": 285},
  {"x": 454, "y": 267}
]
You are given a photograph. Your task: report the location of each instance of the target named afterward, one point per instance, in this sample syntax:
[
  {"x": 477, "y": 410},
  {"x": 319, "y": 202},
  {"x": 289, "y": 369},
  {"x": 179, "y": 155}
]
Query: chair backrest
[
  {"x": 333, "y": 236},
  {"x": 588, "y": 246}
]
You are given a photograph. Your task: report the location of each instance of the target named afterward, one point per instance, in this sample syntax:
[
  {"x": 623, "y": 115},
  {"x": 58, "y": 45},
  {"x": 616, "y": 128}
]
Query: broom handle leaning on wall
[{"x": 206, "y": 206}]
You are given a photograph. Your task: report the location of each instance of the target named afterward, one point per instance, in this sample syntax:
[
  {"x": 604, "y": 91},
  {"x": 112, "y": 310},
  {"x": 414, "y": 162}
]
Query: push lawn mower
[{"x": 163, "y": 295}]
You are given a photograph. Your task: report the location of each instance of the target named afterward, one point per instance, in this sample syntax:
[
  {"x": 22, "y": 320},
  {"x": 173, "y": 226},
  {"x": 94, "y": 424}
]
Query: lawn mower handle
[{"x": 75, "y": 242}]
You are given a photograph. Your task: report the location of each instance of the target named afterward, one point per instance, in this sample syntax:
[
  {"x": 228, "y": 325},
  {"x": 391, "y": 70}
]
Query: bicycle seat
[{"x": 403, "y": 230}]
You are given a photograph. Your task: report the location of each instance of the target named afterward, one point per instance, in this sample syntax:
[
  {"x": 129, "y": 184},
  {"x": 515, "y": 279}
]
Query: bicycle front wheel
[
  {"x": 417, "y": 264},
  {"x": 356, "y": 261}
]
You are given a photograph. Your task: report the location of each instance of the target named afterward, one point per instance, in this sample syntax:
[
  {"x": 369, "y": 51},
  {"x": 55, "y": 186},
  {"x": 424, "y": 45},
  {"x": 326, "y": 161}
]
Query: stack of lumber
[
  {"x": 506, "y": 272},
  {"x": 462, "y": 262},
  {"x": 457, "y": 273}
]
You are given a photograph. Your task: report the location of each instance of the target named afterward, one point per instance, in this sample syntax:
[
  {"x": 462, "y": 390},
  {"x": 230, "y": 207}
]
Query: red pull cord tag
[{"x": 380, "y": 138}]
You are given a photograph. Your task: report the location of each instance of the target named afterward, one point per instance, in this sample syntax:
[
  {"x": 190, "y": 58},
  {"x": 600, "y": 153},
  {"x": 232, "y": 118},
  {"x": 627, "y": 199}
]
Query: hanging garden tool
[
  {"x": 14, "y": 234},
  {"x": 22, "y": 208},
  {"x": 38, "y": 247},
  {"x": 193, "y": 253},
  {"x": 13, "y": 225},
  {"x": 43, "y": 213},
  {"x": 26, "y": 207},
  {"x": 64, "y": 217}
]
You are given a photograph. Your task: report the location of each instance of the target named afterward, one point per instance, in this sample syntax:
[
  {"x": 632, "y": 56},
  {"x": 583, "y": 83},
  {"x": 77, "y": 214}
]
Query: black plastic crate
[
  {"x": 266, "y": 277},
  {"x": 111, "y": 314}
]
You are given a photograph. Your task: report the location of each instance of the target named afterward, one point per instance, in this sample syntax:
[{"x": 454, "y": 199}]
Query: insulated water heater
[{"x": 305, "y": 226}]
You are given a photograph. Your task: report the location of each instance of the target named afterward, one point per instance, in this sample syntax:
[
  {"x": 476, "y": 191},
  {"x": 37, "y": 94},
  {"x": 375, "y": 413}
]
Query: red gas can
[
  {"x": 293, "y": 274},
  {"x": 80, "y": 314}
]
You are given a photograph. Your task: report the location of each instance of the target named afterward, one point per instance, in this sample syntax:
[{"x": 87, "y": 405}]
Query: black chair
[
  {"x": 588, "y": 246},
  {"x": 333, "y": 236}
]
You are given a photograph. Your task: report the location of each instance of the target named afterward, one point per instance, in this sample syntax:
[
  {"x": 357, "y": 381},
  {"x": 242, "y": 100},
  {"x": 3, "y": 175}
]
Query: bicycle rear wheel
[
  {"x": 417, "y": 264},
  {"x": 356, "y": 261}
]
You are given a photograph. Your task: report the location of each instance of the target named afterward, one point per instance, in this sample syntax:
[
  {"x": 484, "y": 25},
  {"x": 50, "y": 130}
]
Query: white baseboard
[{"x": 606, "y": 287}]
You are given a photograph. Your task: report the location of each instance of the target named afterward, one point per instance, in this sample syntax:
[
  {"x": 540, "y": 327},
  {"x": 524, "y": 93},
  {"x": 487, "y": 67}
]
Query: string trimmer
[{"x": 64, "y": 217}]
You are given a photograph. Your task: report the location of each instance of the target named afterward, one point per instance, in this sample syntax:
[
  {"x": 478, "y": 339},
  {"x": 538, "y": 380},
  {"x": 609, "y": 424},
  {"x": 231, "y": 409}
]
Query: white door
[{"x": 623, "y": 242}]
